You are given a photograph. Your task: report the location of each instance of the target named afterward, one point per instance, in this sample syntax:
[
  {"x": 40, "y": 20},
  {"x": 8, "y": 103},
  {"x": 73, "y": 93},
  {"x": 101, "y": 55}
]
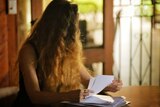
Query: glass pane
[
  {"x": 91, "y": 22},
  {"x": 147, "y": 10},
  {"x": 142, "y": 10},
  {"x": 137, "y": 10},
  {"x": 96, "y": 68},
  {"x": 157, "y": 11},
  {"x": 133, "y": 42},
  {"x": 125, "y": 2},
  {"x": 147, "y": 1},
  {"x": 116, "y": 2},
  {"x": 157, "y": 16},
  {"x": 136, "y": 2}
]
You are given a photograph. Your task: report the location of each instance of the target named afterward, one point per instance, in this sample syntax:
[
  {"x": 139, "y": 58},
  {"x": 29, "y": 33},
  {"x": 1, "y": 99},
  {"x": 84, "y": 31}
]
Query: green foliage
[
  {"x": 146, "y": 1},
  {"x": 86, "y": 6}
]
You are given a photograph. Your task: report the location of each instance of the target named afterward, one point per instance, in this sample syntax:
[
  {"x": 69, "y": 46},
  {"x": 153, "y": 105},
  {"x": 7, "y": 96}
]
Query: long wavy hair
[{"x": 56, "y": 36}]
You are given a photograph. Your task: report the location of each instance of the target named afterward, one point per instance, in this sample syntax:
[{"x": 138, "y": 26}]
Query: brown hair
[{"x": 56, "y": 37}]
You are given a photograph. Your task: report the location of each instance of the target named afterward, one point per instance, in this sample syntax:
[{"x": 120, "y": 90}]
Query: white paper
[
  {"x": 98, "y": 83},
  {"x": 103, "y": 101},
  {"x": 91, "y": 83},
  {"x": 98, "y": 99}
]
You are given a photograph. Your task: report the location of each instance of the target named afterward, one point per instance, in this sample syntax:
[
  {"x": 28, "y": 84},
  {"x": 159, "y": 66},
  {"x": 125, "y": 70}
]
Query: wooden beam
[
  {"x": 94, "y": 55},
  {"x": 36, "y": 9},
  {"x": 108, "y": 35},
  {"x": 3, "y": 45},
  {"x": 12, "y": 49}
]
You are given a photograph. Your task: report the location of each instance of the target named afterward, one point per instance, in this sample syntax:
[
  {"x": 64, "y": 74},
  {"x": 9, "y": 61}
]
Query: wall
[{"x": 8, "y": 47}]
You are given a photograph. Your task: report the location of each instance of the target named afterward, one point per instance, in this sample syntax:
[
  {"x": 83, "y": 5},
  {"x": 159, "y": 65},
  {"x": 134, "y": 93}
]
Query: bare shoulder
[{"x": 26, "y": 48}]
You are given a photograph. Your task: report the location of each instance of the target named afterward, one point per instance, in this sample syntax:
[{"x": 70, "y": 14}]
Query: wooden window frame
[{"x": 104, "y": 54}]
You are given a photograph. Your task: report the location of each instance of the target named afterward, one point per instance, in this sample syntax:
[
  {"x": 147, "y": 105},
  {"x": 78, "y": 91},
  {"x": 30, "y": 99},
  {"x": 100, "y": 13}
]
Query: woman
[{"x": 51, "y": 62}]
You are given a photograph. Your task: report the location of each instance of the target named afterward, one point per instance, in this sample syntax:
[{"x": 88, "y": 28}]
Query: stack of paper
[
  {"x": 97, "y": 84},
  {"x": 107, "y": 102},
  {"x": 118, "y": 102},
  {"x": 98, "y": 99}
]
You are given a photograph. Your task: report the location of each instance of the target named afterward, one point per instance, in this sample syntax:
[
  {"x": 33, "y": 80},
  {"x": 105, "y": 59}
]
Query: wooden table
[
  {"x": 140, "y": 96},
  {"x": 7, "y": 96}
]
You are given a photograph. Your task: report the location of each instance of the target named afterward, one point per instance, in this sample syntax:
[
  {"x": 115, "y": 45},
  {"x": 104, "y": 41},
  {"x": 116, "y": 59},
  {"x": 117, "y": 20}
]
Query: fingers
[
  {"x": 117, "y": 82},
  {"x": 84, "y": 93},
  {"x": 85, "y": 90},
  {"x": 116, "y": 85}
]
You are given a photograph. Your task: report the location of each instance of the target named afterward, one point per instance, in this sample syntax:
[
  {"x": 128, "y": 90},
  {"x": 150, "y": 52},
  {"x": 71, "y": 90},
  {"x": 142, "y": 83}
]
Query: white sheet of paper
[
  {"x": 98, "y": 99},
  {"x": 91, "y": 83},
  {"x": 98, "y": 83},
  {"x": 101, "y": 101}
]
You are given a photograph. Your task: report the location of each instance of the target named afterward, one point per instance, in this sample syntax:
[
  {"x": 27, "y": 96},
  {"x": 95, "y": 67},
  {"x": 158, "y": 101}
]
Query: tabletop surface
[{"x": 140, "y": 96}]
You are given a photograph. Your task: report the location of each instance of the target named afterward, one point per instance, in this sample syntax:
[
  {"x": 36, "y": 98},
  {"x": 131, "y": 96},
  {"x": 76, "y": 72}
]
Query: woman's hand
[
  {"x": 84, "y": 93},
  {"x": 115, "y": 86}
]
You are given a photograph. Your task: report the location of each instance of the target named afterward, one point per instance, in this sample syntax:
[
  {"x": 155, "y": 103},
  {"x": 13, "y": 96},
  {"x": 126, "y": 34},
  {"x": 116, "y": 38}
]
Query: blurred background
[{"x": 120, "y": 37}]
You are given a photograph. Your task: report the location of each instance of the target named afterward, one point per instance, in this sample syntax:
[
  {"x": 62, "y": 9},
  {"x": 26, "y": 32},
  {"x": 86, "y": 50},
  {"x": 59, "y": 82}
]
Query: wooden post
[
  {"x": 108, "y": 36},
  {"x": 12, "y": 49},
  {"x": 36, "y": 9},
  {"x": 3, "y": 45}
]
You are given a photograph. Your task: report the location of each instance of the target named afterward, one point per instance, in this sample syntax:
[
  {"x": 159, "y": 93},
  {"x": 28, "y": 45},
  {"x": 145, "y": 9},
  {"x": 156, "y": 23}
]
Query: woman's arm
[
  {"x": 85, "y": 76},
  {"x": 27, "y": 63}
]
